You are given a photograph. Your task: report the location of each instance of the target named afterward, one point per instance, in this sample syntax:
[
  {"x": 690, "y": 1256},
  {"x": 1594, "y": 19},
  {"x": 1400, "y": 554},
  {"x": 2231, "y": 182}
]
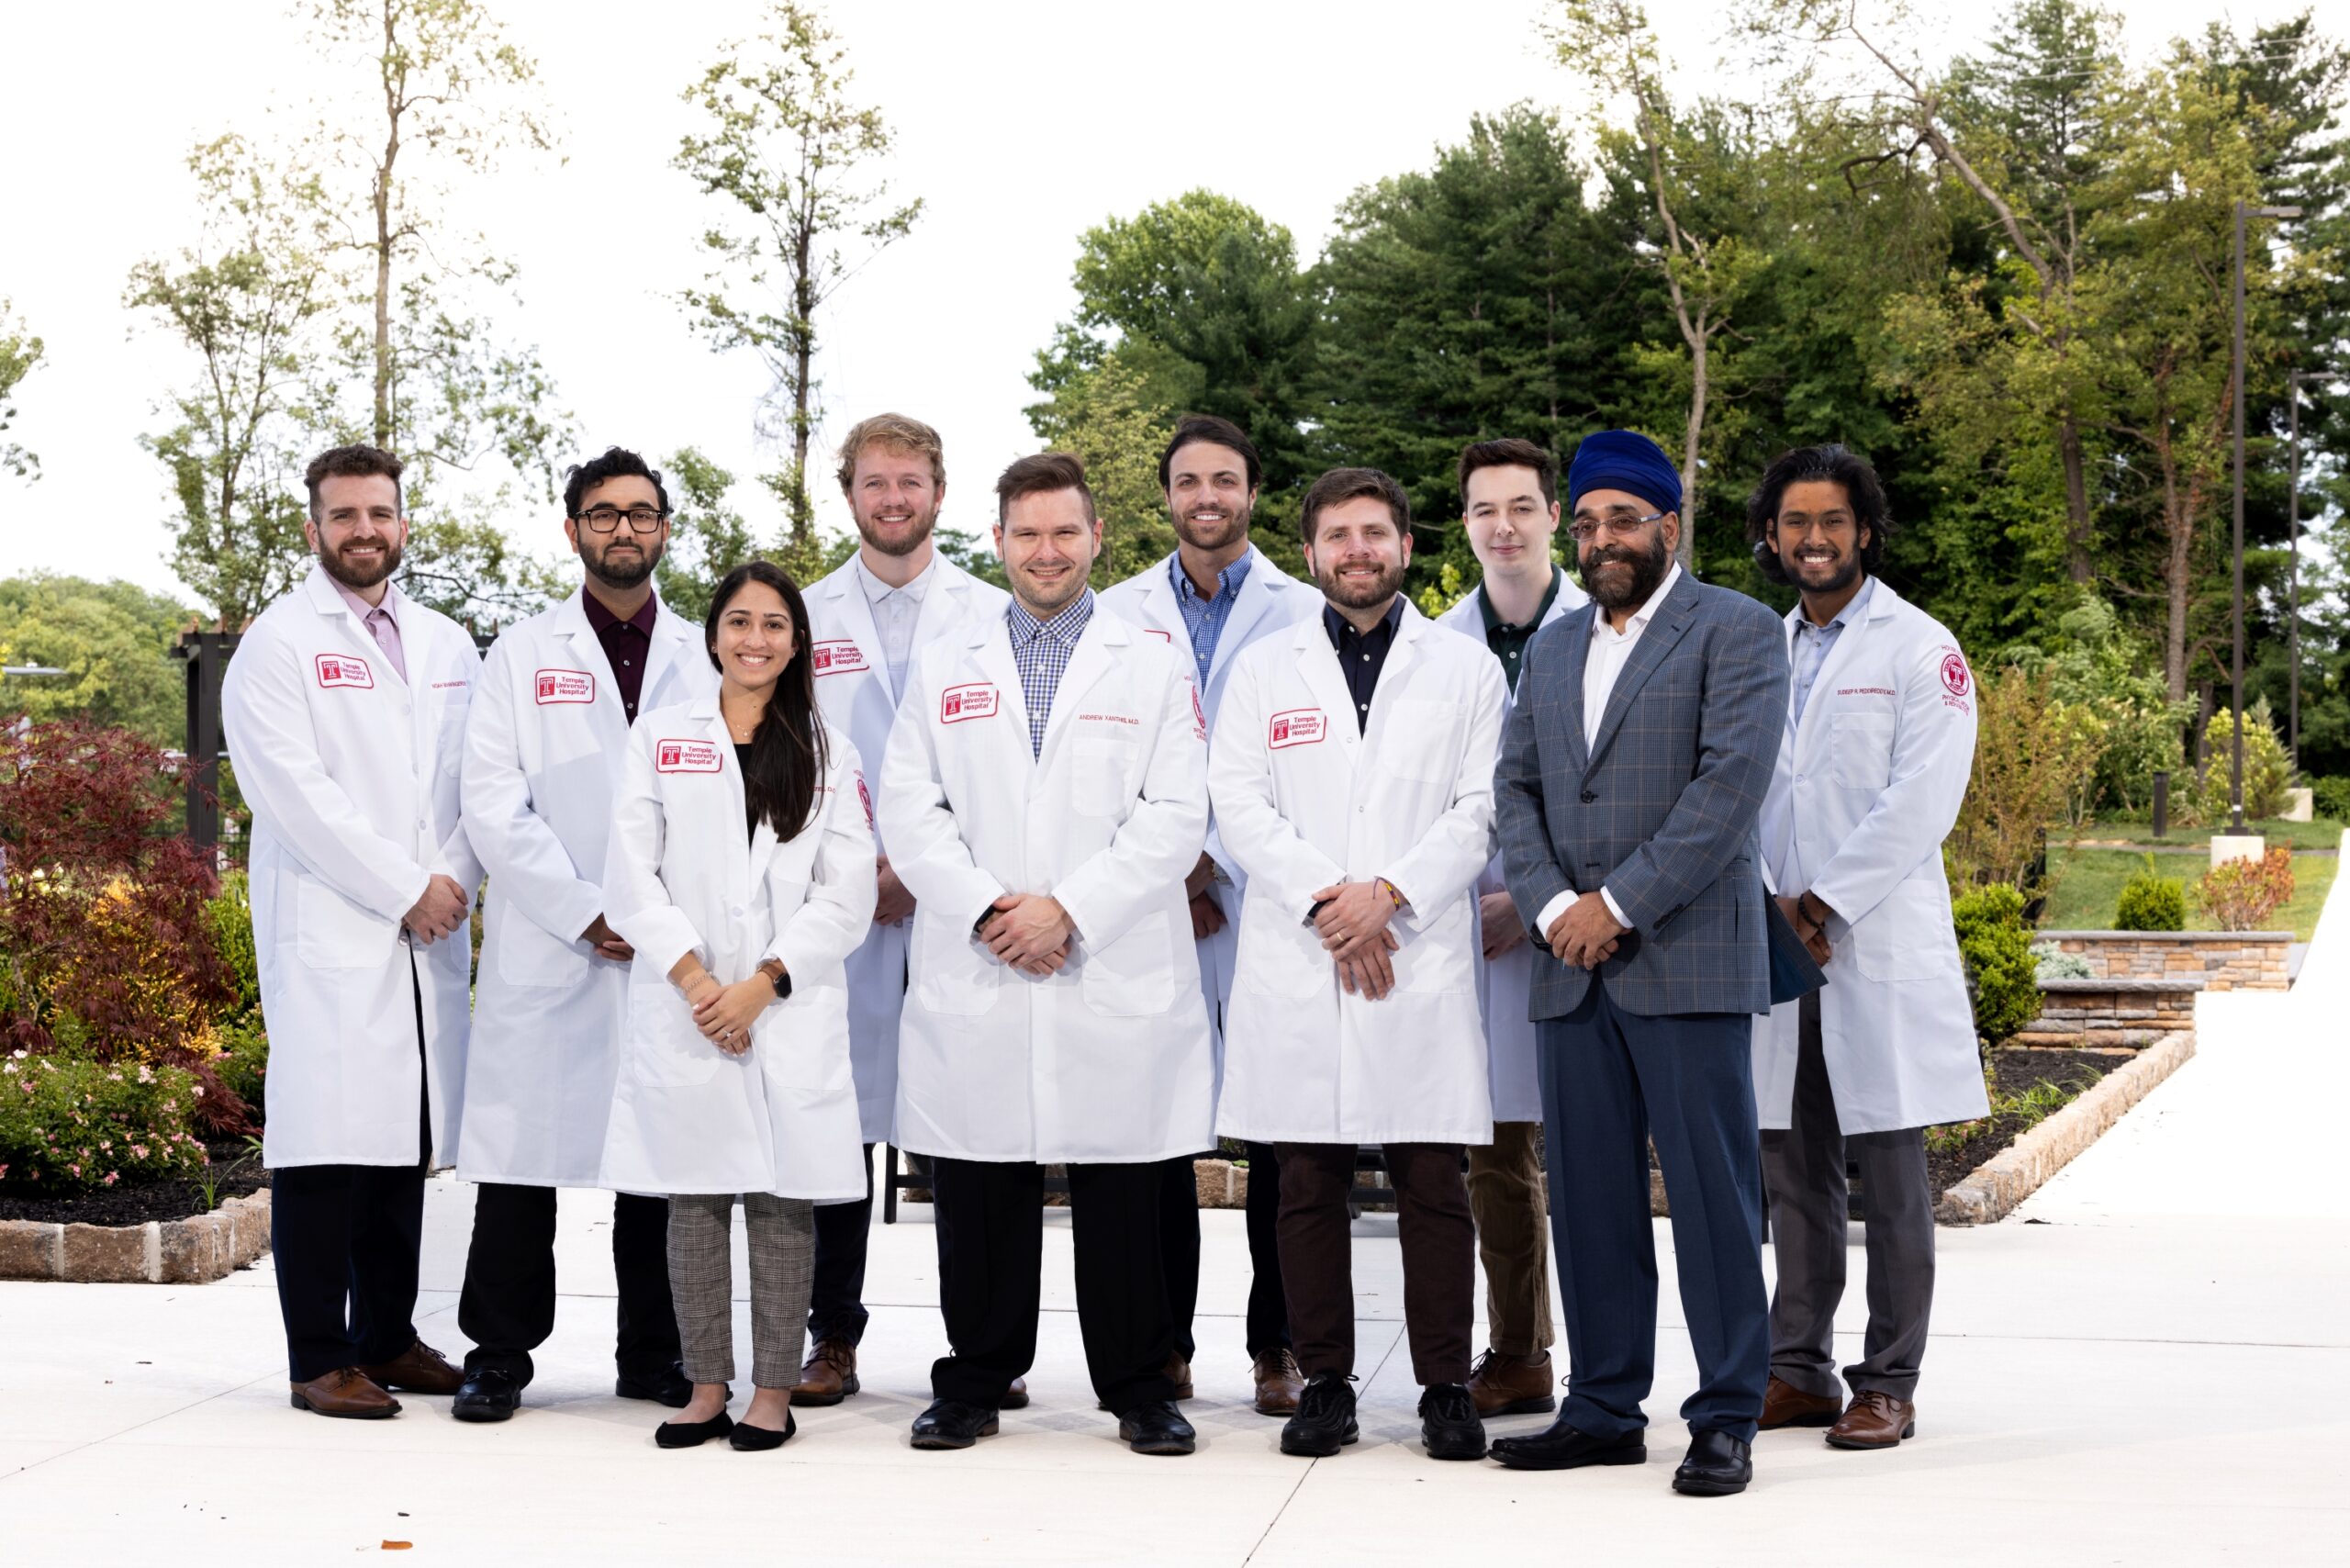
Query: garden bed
[
  {"x": 236, "y": 1171},
  {"x": 2028, "y": 1085}
]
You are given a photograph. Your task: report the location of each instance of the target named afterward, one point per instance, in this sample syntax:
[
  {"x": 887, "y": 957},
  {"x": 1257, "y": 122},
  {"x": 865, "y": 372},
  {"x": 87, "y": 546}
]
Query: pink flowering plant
[{"x": 69, "y": 1124}]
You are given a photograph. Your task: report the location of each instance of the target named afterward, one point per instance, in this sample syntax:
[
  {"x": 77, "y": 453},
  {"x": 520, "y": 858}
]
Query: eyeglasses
[
  {"x": 603, "y": 519},
  {"x": 1620, "y": 524}
]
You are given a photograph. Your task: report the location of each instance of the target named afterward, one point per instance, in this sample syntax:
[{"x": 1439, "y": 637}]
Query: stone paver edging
[
  {"x": 168, "y": 1252},
  {"x": 1991, "y": 1191}
]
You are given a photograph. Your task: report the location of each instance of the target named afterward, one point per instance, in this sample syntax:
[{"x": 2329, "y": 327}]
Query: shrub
[
  {"x": 244, "y": 1061},
  {"x": 73, "y": 1125},
  {"x": 2033, "y": 754},
  {"x": 1999, "y": 963},
  {"x": 2332, "y": 798},
  {"x": 2049, "y": 963},
  {"x": 230, "y": 918},
  {"x": 2103, "y": 668},
  {"x": 2151, "y": 902},
  {"x": 2268, "y": 771},
  {"x": 2240, "y": 895}
]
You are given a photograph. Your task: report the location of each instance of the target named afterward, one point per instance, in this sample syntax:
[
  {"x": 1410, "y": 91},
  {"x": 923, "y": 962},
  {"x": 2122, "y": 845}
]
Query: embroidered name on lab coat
[
  {"x": 1299, "y": 726},
  {"x": 566, "y": 686},
  {"x": 341, "y": 669},
  {"x": 686, "y": 756},
  {"x": 958, "y": 703},
  {"x": 838, "y": 656}
]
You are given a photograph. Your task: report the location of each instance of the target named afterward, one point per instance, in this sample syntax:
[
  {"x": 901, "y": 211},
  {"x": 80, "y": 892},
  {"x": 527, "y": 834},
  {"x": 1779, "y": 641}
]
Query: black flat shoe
[
  {"x": 951, "y": 1424},
  {"x": 1324, "y": 1421},
  {"x": 669, "y": 1385},
  {"x": 1718, "y": 1466},
  {"x": 1564, "y": 1448},
  {"x": 1157, "y": 1427},
  {"x": 758, "y": 1439},
  {"x": 490, "y": 1394},
  {"x": 1448, "y": 1424},
  {"x": 692, "y": 1434}
]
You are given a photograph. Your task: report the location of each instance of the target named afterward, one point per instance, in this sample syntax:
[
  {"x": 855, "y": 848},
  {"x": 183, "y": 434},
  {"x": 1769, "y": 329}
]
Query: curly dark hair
[
  {"x": 1837, "y": 465},
  {"x": 618, "y": 462}
]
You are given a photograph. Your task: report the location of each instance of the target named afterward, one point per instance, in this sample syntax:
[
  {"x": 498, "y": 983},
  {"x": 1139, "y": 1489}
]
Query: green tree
[
  {"x": 788, "y": 152},
  {"x": 708, "y": 538},
  {"x": 112, "y": 639},
  {"x": 19, "y": 353},
  {"x": 1103, "y": 419}
]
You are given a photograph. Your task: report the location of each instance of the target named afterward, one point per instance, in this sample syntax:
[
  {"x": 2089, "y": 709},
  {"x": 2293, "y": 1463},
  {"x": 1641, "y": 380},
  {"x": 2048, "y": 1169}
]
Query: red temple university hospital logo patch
[
  {"x": 1299, "y": 726},
  {"x": 958, "y": 703},
  {"x": 1955, "y": 679},
  {"x": 566, "y": 686},
  {"x": 341, "y": 669},
  {"x": 838, "y": 656},
  {"x": 686, "y": 756},
  {"x": 865, "y": 798}
]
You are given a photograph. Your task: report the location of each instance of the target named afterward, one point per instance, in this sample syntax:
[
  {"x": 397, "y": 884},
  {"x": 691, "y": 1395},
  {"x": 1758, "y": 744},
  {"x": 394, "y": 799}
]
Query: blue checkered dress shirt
[
  {"x": 1203, "y": 618},
  {"x": 1041, "y": 650}
]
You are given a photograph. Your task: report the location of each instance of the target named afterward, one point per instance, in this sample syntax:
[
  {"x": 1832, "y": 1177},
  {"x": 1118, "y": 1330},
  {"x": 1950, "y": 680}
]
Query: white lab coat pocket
[
  {"x": 1860, "y": 750},
  {"x": 1424, "y": 740},
  {"x": 1279, "y": 956},
  {"x": 528, "y": 956},
  {"x": 799, "y": 1044},
  {"x": 664, "y": 1050},
  {"x": 1135, "y": 976},
  {"x": 953, "y": 974},
  {"x": 337, "y": 933},
  {"x": 1908, "y": 936},
  {"x": 1099, "y": 765}
]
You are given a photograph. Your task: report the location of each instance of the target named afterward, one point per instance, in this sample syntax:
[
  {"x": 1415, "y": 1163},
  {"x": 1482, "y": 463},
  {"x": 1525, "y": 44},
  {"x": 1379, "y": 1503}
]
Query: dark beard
[
  {"x": 1382, "y": 588},
  {"x": 1238, "y": 525},
  {"x": 623, "y": 576},
  {"x": 1648, "y": 568},
  {"x": 900, "y": 547},
  {"x": 359, "y": 581},
  {"x": 1848, "y": 571}
]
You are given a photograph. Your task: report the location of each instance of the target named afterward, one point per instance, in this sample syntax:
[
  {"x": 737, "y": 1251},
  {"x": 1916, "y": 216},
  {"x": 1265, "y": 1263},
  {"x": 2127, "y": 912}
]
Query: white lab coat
[
  {"x": 1110, "y": 1058},
  {"x": 681, "y": 875},
  {"x": 853, "y": 687},
  {"x": 543, "y": 751},
  {"x": 1270, "y": 601},
  {"x": 1865, "y": 790},
  {"x": 1307, "y": 802},
  {"x": 1505, "y": 984},
  {"x": 352, "y": 774}
]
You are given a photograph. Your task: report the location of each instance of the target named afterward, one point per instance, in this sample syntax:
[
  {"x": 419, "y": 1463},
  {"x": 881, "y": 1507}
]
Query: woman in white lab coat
[{"x": 741, "y": 870}]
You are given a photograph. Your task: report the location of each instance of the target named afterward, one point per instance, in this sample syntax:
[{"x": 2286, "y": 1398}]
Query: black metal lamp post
[{"x": 2235, "y": 740}]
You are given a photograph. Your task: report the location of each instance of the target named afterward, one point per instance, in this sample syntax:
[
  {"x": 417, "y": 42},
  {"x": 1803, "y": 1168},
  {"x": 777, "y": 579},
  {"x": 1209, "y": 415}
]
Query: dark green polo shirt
[{"x": 1507, "y": 641}]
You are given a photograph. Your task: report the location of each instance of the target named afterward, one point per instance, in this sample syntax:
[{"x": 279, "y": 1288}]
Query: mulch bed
[
  {"x": 155, "y": 1199},
  {"x": 2014, "y": 1071}
]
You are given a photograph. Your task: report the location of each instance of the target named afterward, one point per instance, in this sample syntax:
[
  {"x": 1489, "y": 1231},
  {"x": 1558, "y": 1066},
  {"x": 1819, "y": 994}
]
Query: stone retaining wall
[
  {"x": 2226, "y": 960},
  {"x": 2095, "y": 1014},
  {"x": 168, "y": 1252},
  {"x": 1992, "y": 1190}
]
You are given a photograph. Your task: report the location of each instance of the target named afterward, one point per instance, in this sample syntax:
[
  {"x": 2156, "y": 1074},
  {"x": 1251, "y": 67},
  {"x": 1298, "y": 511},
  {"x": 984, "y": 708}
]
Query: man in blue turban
[{"x": 1632, "y": 770}]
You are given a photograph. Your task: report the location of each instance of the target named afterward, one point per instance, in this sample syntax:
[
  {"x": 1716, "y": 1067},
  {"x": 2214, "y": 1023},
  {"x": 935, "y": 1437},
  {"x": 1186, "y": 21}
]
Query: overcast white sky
[{"x": 1020, "y": 122}]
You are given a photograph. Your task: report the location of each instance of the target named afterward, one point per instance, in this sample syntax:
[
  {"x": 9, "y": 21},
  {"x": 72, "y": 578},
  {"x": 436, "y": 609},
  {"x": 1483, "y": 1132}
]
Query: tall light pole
[{"x": 2236, "y": 739}]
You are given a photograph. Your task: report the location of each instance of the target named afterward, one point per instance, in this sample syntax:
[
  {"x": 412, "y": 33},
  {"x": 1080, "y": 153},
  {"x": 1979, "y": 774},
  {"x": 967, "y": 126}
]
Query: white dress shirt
[
  {"x": 1610, "y": 651},
  {"x": 895, "y": 610}
]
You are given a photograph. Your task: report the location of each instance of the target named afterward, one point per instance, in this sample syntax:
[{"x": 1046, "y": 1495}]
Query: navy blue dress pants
[{"x": 1611, "y": 1081}]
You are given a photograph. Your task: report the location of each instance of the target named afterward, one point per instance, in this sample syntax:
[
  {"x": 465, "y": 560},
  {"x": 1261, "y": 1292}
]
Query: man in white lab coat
[
  {"x": 543, "y": 753},
  {"x": 1509, "y": 496},
  {"x": 1043, "y": 796},
  {"x": 344, "y": 710},
  {"x": 1353, "y": 781},
  {"x": 1880, "y": 742},
  {"x": 1217, "y": 595},
  {"x": 867, "y": 621}
]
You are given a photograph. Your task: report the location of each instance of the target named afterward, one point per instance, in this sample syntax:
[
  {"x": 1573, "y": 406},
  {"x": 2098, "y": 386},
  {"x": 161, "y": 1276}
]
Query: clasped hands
[
  {"x": 723, "y": 1014},
  {"x": 440, "y": 912},
  {"x": 1813, "y": 932},
  {"x": 1031, "y": 932},
  {"x": 1585, "y": 934},
  {"x": 1351, "y": 919}
]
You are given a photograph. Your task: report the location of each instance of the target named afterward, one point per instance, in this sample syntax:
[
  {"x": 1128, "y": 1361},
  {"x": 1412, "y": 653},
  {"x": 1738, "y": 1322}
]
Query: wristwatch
[{"x": 781, "y": 981}]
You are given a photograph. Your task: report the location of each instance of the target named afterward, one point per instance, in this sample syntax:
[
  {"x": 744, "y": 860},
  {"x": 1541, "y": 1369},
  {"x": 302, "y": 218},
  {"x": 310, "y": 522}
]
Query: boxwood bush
[{"x": 2150, "y": 901}]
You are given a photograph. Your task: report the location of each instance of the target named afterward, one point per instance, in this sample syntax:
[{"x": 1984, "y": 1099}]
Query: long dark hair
[
  {"x": 788, "y": 753},
  {"x": 1837, "y": 465}
]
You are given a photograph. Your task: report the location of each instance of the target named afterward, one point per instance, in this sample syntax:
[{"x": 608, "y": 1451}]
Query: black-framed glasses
[
  {"x": 1619, "y": 524},
  {"x": 603, "y": 519}
]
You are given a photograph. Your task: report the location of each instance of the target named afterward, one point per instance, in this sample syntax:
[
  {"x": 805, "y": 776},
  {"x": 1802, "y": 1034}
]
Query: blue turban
[{"x": 1627, "y": 461}]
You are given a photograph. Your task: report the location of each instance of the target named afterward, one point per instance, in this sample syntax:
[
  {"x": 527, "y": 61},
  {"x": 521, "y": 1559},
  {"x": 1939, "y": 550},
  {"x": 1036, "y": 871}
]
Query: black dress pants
[
  {"x": 837, "y": 1305},
  {"x": 345, "y": 1240},
  {"x": 1179, "y": 1231},
  {"x": 508, "y": 1306},
  {"x": 1440, "y": 1246},
  {"x": 991, "y": 1237}
]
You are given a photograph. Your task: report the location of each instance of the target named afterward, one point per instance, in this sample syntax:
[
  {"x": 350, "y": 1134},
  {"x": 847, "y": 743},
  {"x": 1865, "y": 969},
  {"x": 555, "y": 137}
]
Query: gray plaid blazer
[{"x": 1661, "y": 808}]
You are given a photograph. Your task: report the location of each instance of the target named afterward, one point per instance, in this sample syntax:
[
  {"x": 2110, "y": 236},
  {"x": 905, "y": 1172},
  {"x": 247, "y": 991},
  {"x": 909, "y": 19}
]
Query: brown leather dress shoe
[
  {"x": 1876, "y": 1421},
  {"x": 1279, "y": 1383},
  {"x": 419, "y": 1369},
  {"x": 1178, "y": 1373},
  {"x": 1785, "y": 1405},
  {"x": 1511, "y": 1386},
  {"x": 829, "y": 1375},
  {"x": 346, "y": 1392}
]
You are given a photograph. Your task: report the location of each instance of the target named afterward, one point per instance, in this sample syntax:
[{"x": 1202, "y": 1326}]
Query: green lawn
[
  {"x": 2322, "y": 834},
  {"x": 2089, "y": 883}
]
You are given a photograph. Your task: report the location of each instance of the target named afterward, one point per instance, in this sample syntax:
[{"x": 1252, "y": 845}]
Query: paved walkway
[{"x": 2150, "y": 1364}]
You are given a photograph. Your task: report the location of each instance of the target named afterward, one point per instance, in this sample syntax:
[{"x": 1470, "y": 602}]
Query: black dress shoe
[
  {"x": 692, "y": 1434},
  {"x": 1324, "y": 1421},
  {"x": 1157, "y": 1427},
  {"x": 490, "y": 1394},
  {"x": 1448, "y": 1424},
  {"x": 951, "y": 1424},
  {"x": 666, "y": 1385},
  {"x": 1564, "y": 1448},
  {"x": 1718, "y": 1465},
  {"x": 758, "y": 1439}
]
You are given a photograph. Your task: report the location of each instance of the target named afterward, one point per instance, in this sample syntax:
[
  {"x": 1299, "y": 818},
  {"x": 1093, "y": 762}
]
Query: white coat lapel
[
  {"x": 673, "y": 638},
  {"x": 1255, "y": 599},
  {"x": 583, "y": 654},
  {"x": 849, "y": 612},
  {"x": 1317, "y": 661},
  {"x": 988, "y": 659},
  {"x": 1098, "y": 649},
  {"x": 742, "y": 875},
  {"x": 1839, "y": 658}
]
